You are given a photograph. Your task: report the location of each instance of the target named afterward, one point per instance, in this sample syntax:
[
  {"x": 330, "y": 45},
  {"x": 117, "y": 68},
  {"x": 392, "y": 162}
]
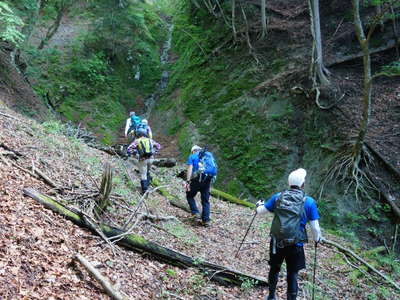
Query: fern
[{"x": 9, "y": 25}]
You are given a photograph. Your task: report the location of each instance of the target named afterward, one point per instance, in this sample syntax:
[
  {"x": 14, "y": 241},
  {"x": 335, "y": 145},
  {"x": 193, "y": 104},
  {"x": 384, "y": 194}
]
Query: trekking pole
[
  {"x": 315, "y": 267},
  {"x": 251, "y": 223}
]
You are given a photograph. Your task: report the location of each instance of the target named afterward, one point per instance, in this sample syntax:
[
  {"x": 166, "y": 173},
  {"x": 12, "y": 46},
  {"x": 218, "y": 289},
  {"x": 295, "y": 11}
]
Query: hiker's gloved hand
[{"x": 260, "y": 202}]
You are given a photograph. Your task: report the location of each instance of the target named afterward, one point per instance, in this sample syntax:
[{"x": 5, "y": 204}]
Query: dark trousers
[
  {"x": 203, "y": 187},
  {"x": 295, "y": 261}
]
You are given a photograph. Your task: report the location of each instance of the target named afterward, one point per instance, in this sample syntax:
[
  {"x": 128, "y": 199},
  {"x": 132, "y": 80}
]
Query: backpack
[
  {"x": 285, "y": 228},
  {"x": 144, "y": 147},
  {"x": 135, "y": 121},
  {"x": 207, "y": 164},
  {"x": 143, "y": 127}
]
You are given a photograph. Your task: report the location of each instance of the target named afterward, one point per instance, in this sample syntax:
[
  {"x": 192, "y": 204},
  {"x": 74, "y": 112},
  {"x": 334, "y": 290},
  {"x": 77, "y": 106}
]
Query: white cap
[
  {"x": 195, "y": 148},
  {"x": 297, "y": 177},
  {"x": 132, "y": 113},
  {"x": 144, "y": 121}
]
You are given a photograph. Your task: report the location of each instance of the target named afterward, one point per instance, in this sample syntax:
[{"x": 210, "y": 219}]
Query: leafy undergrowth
[{"x": 37, "y": 246}]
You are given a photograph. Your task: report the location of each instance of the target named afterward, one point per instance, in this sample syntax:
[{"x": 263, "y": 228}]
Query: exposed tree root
[{"x": 361, "y": 260}]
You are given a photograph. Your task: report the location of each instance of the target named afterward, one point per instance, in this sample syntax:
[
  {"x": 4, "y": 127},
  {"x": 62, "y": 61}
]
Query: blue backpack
[
  {"x": 207, "y": 164},
  {"x": 135, "y": 121}
]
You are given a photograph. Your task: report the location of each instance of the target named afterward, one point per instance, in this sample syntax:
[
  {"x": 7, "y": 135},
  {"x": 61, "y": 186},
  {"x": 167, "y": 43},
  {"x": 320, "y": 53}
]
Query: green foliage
[
  {"x": 171, "y": 273},
  {"x": 54, "y": 127},
  {"x": 182, "y": 232},
  {"x": 92, "y": 70},
  {"x": 10, "y": 25},
  {"x": 93, "y": 83},
  {"x": 198, "y": 261},
  {"x": 197, "y": 281},
  {"x": 392, "y": 69},
  {"x": 248, "y": 284}
]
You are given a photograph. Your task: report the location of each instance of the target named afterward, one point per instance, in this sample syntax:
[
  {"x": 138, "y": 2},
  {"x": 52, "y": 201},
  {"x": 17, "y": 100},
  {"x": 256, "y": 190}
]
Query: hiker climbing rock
[
  {"x": 201, "y": 171},
  {"x": 145, "y": 126},
  {"x": 292, "y": 209},
  {"x": 144, "y": 148},
  {"x": 130, "y": 126}
]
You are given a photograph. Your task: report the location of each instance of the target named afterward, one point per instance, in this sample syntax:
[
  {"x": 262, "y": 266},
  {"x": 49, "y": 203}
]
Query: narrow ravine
[{"x": 162, "y": 84}]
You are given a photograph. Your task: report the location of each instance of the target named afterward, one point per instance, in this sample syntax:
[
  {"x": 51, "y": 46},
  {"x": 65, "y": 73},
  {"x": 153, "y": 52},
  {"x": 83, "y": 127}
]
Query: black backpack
[{"x": 285, "y": 228}]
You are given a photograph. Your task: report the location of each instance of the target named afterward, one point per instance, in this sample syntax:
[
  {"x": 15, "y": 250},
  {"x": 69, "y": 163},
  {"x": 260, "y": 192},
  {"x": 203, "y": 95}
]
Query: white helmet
[{"x": 144, "y": 122}]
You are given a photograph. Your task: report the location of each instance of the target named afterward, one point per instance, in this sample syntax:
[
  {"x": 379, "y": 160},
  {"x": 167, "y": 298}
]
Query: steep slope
[
  {"x": 15, "y": 90},
  {"x": 38, "y": 246}
]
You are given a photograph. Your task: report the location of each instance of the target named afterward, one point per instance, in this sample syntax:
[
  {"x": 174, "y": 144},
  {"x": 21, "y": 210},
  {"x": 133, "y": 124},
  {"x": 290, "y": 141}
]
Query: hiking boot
[
  {"x": 205, "y": 223},
  {"x": 196, "y": 216}
]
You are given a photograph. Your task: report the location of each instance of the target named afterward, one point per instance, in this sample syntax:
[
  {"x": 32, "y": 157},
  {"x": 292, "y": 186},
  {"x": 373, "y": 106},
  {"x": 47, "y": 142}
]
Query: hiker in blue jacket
[
  {"x": 291, "y": 248},
  {"x": 198, "y": 182},
  {"x": 130, "y": 126}
]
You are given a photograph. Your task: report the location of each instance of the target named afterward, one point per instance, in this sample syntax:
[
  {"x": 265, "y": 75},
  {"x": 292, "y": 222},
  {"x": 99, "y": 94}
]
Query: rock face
[{"x": 15, "y": 90}]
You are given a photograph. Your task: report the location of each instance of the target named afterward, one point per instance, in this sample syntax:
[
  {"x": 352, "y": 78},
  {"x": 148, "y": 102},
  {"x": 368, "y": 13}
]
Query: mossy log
[
  {"x": 227, "y": 197},
  {"x": 221, "y": 274},
  {"x": 173, "y": 200}
]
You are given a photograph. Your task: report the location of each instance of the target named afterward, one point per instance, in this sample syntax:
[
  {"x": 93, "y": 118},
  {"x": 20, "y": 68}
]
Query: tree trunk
[
  {"x": 263, "y": 19},
  {"x": 226, "y": 197},
  {"x": 318, "y": 68},
  {"x": 221, "y": 274},
  {"x": 233, "y": 20},
  {"x": 61, "y": 8},
  {"x": 395, "y": 31},
  {"x": 367, "y": 81}
]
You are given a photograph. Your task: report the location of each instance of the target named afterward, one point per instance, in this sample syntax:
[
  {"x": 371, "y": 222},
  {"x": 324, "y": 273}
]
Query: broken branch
[{"x": 110, "y": 290}]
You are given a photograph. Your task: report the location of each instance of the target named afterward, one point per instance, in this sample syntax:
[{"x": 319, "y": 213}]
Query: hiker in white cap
[
  {"x": 292, "y": 210},
  {"x": 198, "y": 179}
]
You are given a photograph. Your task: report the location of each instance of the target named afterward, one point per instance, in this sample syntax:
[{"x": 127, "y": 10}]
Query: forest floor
[{"x": 38, "y": 246}]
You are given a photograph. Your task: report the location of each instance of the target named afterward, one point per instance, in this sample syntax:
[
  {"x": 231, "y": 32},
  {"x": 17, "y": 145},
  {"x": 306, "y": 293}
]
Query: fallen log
[
  {"x": 384, "y": 160},
  {"x": 227, "y": 197},
  {"x": 107, "y": 286},
  {"x": 221, "y": 274},
  {"x": 388, "y": 197},
  {"x": 173, "y": 200},
  {"x": 389, "y": 45},
  {"x": 361, "y": 260}
]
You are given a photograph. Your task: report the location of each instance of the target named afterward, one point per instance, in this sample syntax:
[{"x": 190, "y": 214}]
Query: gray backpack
[{"x": 285, "y": 228}]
